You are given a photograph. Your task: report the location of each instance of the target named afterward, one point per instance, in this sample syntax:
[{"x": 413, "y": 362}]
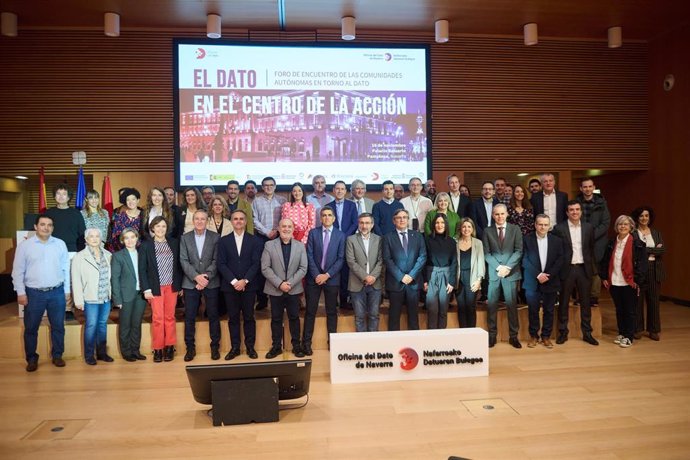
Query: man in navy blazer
[
  {"x": 550, "y": 201},
  {"x": 323, "y": 274},
  {"x": 239, "y": 264},
  {"x": 403, "y": 270},
  {"x": 541, "y": 270},
  {"x": 345, "y": 212},
  {"x": 481, "y": 210}
]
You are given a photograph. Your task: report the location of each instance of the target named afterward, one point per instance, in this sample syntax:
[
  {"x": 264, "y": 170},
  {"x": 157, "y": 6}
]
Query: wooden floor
[{"x": 575, "y": 401}]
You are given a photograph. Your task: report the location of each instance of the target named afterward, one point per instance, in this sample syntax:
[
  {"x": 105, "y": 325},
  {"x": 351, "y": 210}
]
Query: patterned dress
[{"x": 524, "y": 220}]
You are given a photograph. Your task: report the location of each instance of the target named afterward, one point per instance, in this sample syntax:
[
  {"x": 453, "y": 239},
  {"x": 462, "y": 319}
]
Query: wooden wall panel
[{"x": 497, "y": 104}]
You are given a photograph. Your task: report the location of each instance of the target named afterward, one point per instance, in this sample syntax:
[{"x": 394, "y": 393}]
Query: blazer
[
  {"x": 148, "y": 268},
  {"x": 452, "y": 218},
  {"x": 245, "y": 206},
  {"x": 273, "y": 267},
  {"x": 368, "y": 204},
  {"x": 227, "y": 226},
  {"x": 463, "y": 206},
  {"x": 477, "y": 263},
  {"x": 537, "y": 201},
  {"x": 658, "y": 253},
  {"x": 398, "y": 263},
  {"x": 350, "y": 218},
  {"x": 563, "y": 231},
  {"x": 357, "y": 260},
  {"x": 509, "y": 253},
  {"x": 193, "y": 265},
  {"x": 85, "y": 276},
  {"x": 335, "y": 256},
  {"x": 234, "y": 266},
  {"x": 478, "y": 215},
  {"x": 123, "y": 278},
  {"x": 531, "y": 263},
  {"x": 639, "y": 255}
]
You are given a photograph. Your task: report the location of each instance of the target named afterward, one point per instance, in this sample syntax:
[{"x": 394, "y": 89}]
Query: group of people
[{"x": 235, "y": 251}]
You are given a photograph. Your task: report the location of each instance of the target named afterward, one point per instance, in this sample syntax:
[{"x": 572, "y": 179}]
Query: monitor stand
[{"x": 236, "y": 402}]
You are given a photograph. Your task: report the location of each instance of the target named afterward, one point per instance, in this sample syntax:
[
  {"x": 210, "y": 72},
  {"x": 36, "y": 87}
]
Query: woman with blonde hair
[
  {"x": 94, "y": 215},
  {"x": 218, "y": 221},
  {"x": 471, "y": 272},
  {"x": 442, "y": 206}
]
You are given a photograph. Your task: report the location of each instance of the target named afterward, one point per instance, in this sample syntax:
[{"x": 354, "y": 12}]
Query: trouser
[
  {"x": 278, "y": 305},
  {"x": 131, "y": 315},
  {"x": 576, "y": 279},
  {"x": 344, "y": 277},
  {"x": 241, "y": 303},
  {"x": 649, "y": 294},
  {"x": 437, "y": 298},
  {"x": 192, "y": 300},
  {"x": 467, "y": 301},
  {"x": 163, "y": 321},
  {"x": 409, "y": 296},
  {"x": 509, "y": 290},
  {"x": 312, "y": 295},
  {"x": 366, "y": 305},
  {"x": 625, "y": 300},
  {"x": 40, "y": 301},
  {"x": 95, "y": 327},
  {"x": 261, "y": 296},
  {"x": 547, "y": 300}
]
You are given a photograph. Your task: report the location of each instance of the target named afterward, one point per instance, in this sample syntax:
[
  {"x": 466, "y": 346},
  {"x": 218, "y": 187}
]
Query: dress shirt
[
  {"x": 41, "y": 265},
  {"x": 339, "y": 211},
  {"x": 134, "y": 256},
  {"x": 238, "y": 242},
  {"x": 550, "y": 207},
  {"x": 489, "y": 208},
  {"x": 543, "y": 246},
  {"x": 417, "y": 209},
  {"x": 576, "y": 238},
  {"x": 319, "y": 201},
  {"x": 199, "y": 240},
  {"x": 365, "y": 241},
  {"x": 455, "y": 201},
  {"x": 617, "y": 278},
  {"x": 649, "y": 242},
  {"x": 267, "y": 213},
  {"x": 361, "y": 206}
]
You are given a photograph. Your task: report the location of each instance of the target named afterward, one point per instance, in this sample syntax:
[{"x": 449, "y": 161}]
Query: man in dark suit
[
  {"x": 284, "y": 264},
  {"x": 325, "y": 259},
  {"x": 550, "y": 201},
  {"x": 345, "y": 212},
  {"x": 541, "y": 263},
  {"x": 459, "y": 203},
  {"x": 481, "y": 210},
  {"x": 239, "y": 263},
  {"x": 577, "y": 271},
  {"x": 502, "y": 252},
  {"x": 404, "y": 253},
  {"x": 363, "y": 255},
  {"x": 198, "y": 261}
]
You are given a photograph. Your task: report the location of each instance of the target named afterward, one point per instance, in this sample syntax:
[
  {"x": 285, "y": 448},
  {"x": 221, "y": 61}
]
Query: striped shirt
[{"x": 164, "y": 260}]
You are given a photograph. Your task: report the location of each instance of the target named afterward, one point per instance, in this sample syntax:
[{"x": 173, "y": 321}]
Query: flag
[
  {"x": 81, "y": 190},
  {"x": 42, "y": 204},
  {"x": 107, "y": 196}
]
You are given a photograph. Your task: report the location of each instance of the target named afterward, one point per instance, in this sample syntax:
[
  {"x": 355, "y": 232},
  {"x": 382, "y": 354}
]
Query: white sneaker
[
  {"x": 618, "y": 339},
  {"x": 625, "y": 343}
]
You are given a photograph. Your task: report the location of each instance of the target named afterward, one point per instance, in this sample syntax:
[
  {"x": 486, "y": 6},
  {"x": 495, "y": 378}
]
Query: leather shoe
[
  {"x": 139, "y": 356},
  {"x": 562, "y": 338},
  {"x": 191, "y": 353},
  {"x": 215, "y": 354},
  {"x": 169, "y": 353},
  {"x": 58, "y": 362},
  {"x": 232, "y": 354},
  {"x": 547, "y": 342},
  {"x": 637, "y": 335},
  {"x": 105, "y": 357},
  {"x": 90, "y": 360},
  {"x": 654, "y": 336},
  {"x": 157, "y": 356},
  {"x": 297, "y": 351},
  {"x": 492, "y": 342},
  {"x": 533, "y": 341},
  {"x": 129, "y": 358},
  {"x": 273, "y": 352},
  {"x": 589, "y": 339},
  {"x": 515, "y": 342},
  {"x": 307, "y": 350},
  {"x": 31, "y": 366},
  {"x": 252, "y": 353}
]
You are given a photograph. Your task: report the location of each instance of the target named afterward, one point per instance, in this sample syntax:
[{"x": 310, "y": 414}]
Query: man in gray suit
[
  {"x": 363, "y": 254},
  {"x": 198, "y": 261},
  {"x": 284, "y": 264},
  {"x": 502, "y": 252},
  {"x": 358, "y": 189}
]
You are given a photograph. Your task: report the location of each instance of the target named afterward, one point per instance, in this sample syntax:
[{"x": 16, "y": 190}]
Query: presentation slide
[{"x": 246, "y": 111}]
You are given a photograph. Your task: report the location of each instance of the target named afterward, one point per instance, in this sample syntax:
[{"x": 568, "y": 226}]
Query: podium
[{"x": 237, "y": 402}]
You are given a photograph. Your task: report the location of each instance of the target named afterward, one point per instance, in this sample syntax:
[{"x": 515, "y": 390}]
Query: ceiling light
[
  {"x": 112, "y": 24},
  {"x": 213, "y": 26},
  {"x": 441, "y": 27},
  {"x": 21, "y": 177},
  {"x": 531, "y": 34},
  {"x": 9, "y": 24},
  {"x": 348, "y": 28}
]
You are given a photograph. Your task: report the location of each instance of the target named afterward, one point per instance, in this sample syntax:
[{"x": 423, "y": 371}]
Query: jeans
[
  {"x": 96, "y": 327},
  {"x": 39, "y": 301},
  {"x": 366, "y": 305}
]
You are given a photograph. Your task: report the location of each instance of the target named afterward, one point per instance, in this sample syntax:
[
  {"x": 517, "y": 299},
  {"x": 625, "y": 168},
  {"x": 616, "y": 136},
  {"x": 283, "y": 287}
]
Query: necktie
[
  {"x": 326, "y": 240},
  {"x": 404, "y": 241},
  {"x": 501, "y": 237},
  {"x": 359, "y": 207}
]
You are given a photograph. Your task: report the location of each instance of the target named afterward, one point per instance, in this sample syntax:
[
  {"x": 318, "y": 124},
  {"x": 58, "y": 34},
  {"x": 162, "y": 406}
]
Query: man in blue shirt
[{"x": 41, "y": 277}]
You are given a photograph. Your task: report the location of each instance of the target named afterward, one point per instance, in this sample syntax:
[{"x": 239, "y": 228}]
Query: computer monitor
[{"x": 293, "y": 377}]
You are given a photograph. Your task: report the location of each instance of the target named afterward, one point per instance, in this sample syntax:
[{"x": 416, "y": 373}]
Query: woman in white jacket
[
  {"x": 471, "y": 271},
  {"x": 91, "y": 292}
]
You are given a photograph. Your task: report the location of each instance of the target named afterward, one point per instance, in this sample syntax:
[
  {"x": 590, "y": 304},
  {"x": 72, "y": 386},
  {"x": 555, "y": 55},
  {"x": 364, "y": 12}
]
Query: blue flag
[{"x": 81, "y": 190}]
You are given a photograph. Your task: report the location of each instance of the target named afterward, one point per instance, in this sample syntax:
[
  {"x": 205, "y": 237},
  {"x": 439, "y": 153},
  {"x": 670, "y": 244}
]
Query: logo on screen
[
  {"x": 387, "y": 56},
  {"x": 200, "y": 53},
  {"x": 409, "y": 359},
  {"x": 375, "y": 176}
]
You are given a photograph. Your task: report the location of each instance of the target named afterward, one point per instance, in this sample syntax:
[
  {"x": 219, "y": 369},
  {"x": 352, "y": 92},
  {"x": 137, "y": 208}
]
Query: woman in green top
[{"x": 441, "y": 206}]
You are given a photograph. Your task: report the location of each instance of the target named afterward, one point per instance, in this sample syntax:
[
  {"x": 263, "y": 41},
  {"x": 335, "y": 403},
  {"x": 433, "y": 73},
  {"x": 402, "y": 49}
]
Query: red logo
[
  {"x": 409, "y": 359},
  {"x": 375, "y": 176},
  {"x": 200, "y": 53}
]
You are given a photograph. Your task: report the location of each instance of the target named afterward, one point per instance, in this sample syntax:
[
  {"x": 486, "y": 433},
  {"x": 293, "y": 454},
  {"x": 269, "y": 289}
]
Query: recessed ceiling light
[
  {"x": 21, "y": 177},
  {"x": 523, "y": 174}
]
